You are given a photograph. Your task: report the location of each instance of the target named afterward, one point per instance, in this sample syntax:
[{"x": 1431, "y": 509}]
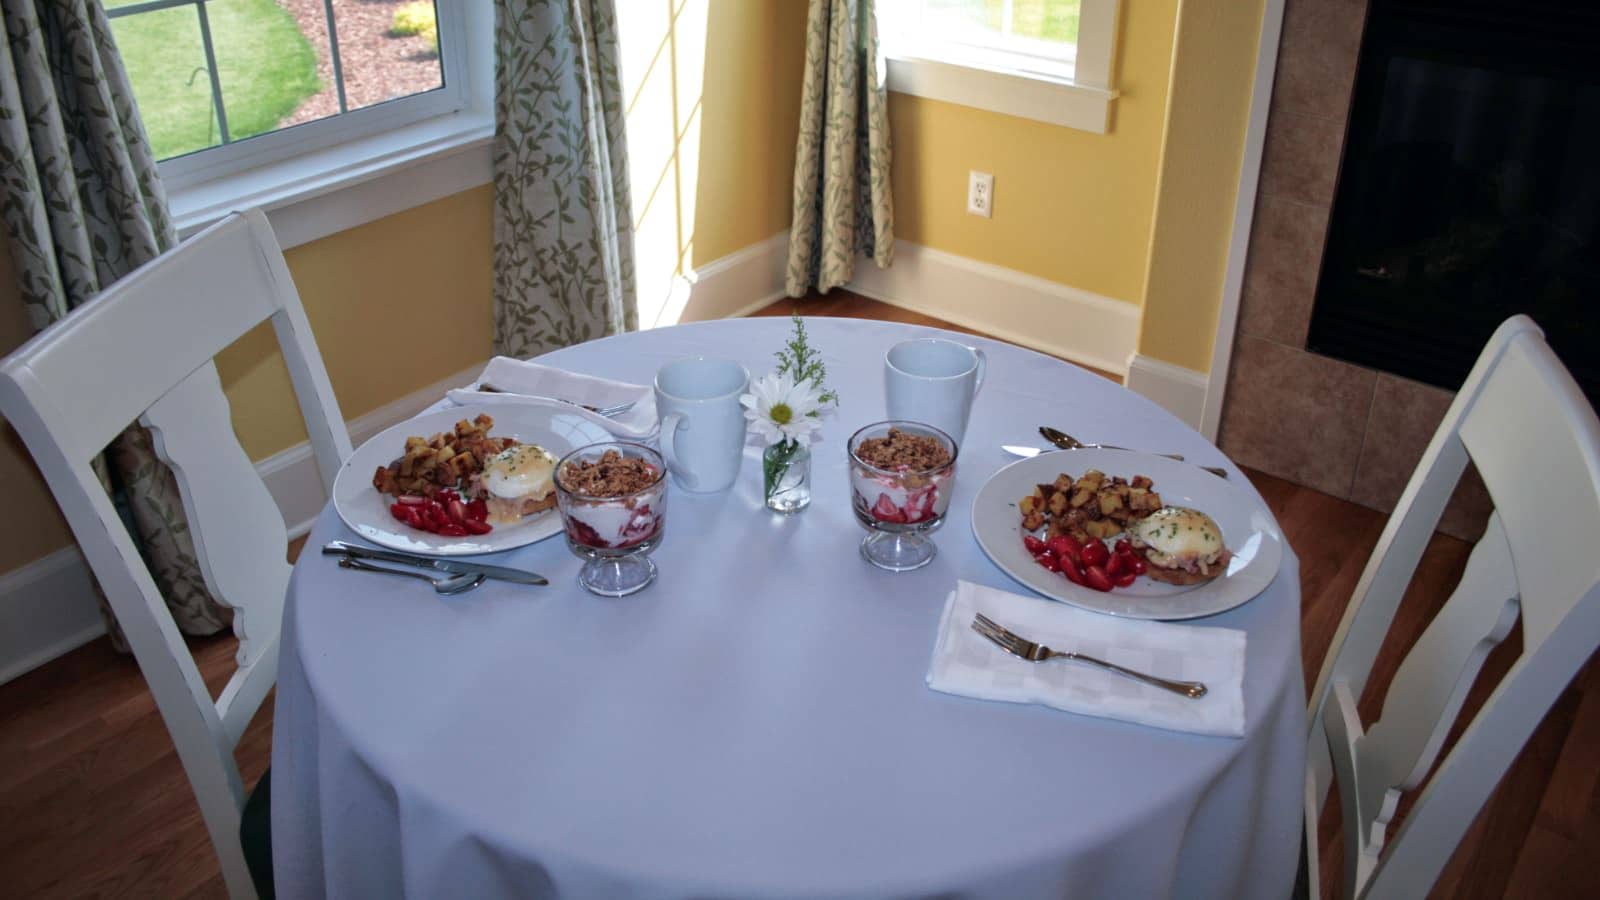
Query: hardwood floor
[{"x": 93, "y": 801}]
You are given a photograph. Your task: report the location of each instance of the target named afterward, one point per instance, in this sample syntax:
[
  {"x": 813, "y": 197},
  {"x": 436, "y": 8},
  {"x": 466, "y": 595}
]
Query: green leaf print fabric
[
  {"x": 843, "y": 205},
  {"x": 83, "y": 206},
  {"x": 563, "y": 227}
]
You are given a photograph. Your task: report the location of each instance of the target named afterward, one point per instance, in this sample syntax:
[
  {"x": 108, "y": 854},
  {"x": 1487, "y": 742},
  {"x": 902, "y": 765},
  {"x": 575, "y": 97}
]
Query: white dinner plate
[
  {"x": 367, "y": 512},
  {"x": 1248, "y": 530}
]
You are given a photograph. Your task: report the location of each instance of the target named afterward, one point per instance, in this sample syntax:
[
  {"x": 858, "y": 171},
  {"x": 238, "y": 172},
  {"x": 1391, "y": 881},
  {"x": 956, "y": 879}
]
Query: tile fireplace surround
[{"x": 1340, "y": 428}]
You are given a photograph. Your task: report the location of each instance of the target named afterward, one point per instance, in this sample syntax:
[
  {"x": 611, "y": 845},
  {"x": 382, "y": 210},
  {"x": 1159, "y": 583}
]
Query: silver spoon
[
  {"x": 1068, "y": 442},
  {"x": 455, "y": 584}
]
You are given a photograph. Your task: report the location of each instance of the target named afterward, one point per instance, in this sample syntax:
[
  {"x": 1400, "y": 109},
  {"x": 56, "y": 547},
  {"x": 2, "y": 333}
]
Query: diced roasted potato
[
  {"x": 1104, "y": 528},
  {"x": 1057, "y": 503},
  {"x": 1081, "y": 495},
  {"x": 1110, "y": 503},
  {"x": 1142, "y": 481}
]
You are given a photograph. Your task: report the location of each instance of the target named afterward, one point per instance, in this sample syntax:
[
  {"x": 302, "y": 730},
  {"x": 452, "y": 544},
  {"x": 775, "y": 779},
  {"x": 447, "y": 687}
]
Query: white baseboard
[
  {"x": 1022, "y": 309},
  {"x": 47, "y": 608},
  {"x": 291, "y": 475},
  {"x": 1180, "y": 391},
  {"x": 735, "y": 285}
]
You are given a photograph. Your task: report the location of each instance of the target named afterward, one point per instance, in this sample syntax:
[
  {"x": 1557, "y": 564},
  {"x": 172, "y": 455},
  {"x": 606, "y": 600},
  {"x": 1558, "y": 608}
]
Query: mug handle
[
  {"x": 983, "y": 368},
  {"x": 670, "y": 425}
]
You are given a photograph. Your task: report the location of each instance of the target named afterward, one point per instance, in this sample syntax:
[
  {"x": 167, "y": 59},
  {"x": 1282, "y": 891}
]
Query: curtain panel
[
  {"x": 843, "y": 205},
  {"x": 83, "y": 207},
  {"x": 563, "y": 222}
]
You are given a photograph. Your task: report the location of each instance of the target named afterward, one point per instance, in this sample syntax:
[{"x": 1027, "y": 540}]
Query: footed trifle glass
[
  {"x": 901, "y": 477},
  {"x": 613, "y": 498}
]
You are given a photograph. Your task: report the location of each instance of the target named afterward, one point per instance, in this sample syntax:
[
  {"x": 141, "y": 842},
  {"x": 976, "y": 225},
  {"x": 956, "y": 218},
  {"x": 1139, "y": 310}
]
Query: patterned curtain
[
  {"x": 83, "y": 207},
  {"x": 563, "y": 224},
  {"x": 842, "y": 202}
]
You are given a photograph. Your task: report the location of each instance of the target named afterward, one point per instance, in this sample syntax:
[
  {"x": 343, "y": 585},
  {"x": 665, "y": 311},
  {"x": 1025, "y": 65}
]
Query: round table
[{"x": 756, "y": 723}]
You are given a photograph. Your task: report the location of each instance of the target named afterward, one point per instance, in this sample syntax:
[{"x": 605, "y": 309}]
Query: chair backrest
[
  {"x": 1522, "y": 421},
  {"x": 143, "y": 350}
]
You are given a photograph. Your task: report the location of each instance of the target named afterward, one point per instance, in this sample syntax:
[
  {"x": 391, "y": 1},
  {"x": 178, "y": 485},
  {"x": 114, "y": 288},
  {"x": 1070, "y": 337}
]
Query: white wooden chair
[
  {"x": 1533, "y": 436},
  {"x": 143, "y": 349}
]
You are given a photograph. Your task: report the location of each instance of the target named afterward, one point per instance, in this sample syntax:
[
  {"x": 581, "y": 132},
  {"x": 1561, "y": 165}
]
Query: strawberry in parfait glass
[
  {"x": 902, "y": 475},
  {"x": 612, "y": 498}
]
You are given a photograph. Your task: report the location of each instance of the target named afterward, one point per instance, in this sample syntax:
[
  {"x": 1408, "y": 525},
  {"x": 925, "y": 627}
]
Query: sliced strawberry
[
  {"x": 457, "y": 511},
  {"x": 1094, "y": 553},
  {"x": 1096, "y": 578},
  {"x": 1072, "y": 571},
  {"x": 1125, "y": 579},
  {"x": 1033, "y": 544},
  {"x": 885, "y": 511},
  {"x": 1066, "y": 546},
  {"x": 477, "y": 526}
]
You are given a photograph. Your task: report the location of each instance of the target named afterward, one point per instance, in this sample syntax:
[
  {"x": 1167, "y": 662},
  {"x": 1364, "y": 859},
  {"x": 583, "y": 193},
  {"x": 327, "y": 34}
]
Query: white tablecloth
[{"x": 756, "y": 724}]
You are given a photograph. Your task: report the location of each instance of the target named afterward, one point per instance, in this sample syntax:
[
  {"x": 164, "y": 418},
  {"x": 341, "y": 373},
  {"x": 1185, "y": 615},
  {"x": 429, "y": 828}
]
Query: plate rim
[
  {"x": 535, "y": 529},
  {"x": 1070, "y": 593}
]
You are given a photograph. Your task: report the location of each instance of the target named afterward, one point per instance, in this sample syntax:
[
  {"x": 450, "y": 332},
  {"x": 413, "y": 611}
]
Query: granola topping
[
  {"x": 612, "y": 475},
  {"x": 904, "y": 452}
]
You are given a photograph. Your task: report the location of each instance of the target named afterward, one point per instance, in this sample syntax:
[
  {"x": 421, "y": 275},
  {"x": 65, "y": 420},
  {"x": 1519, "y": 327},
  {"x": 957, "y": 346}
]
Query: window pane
[
  {"x": 985, "y": 21},
  {"x": 387, "y": 49},
  {"x": 267, "y": 65},
  {"x": 166, "y": 64},
  {"x": 961, "y": 15},
  {"x": 1046, "y": 20}
]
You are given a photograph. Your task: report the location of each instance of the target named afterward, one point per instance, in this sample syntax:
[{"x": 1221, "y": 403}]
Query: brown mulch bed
[{"x": 376, "y": 66}]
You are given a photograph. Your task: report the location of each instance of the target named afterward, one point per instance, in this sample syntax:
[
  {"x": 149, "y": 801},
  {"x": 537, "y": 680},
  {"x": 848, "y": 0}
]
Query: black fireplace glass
[{"x": 1469, "y": 189}]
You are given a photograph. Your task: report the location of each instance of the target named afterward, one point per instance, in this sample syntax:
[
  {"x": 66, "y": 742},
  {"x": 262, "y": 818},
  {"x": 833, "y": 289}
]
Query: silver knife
[
  {"x": 1026, "y": 452},
  {"x": 453, "y": 566}
]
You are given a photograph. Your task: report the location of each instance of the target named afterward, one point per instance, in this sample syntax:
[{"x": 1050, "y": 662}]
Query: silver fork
[
  {"x": 607, "y": 411},
  {"x": 1016, "y": 645},
  {"x": 455, "y": 584}
]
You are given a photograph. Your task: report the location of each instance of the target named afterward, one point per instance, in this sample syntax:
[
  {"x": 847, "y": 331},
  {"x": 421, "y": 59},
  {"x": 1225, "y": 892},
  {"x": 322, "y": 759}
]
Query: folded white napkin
[
  {"x": 518, "y": 377},
  {"x": 967, "y": 663}
]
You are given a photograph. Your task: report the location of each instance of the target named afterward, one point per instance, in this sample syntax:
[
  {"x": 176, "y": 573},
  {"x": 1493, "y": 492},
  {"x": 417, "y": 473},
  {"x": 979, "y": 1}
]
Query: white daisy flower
[{"x": 780, "y": 410}]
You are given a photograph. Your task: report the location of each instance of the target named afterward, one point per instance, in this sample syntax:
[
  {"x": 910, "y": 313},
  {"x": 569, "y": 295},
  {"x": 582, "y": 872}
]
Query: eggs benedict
[
  {"x": 1182, "y": 546},
  {"x": 518, "y": 482}
]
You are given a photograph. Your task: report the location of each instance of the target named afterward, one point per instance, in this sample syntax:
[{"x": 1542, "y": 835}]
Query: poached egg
[
  {"x": 525, "y": 471},
  {"x": 1178, "y": 538}
]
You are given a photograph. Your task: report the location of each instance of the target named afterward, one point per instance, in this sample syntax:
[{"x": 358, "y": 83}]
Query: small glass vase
[{"x": 786, "y": 477}]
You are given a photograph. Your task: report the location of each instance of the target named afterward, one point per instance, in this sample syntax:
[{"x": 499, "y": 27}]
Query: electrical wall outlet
[{"x": 980, "y": 194}]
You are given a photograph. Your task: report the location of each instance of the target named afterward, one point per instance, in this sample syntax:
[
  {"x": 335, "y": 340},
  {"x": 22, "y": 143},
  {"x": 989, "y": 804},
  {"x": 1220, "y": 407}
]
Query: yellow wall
[
  {"x": 752, "y": 117},
  {"x": 1210, "y": 103},
  {"x": 1142, "y": 214},
  {"x": 395, "y": 305},
  {"x": 712, "y": 93},
  {"x": 1069, "y": 206}
]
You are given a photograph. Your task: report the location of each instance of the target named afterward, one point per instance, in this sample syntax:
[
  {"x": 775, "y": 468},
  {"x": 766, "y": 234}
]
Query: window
[
  {"x": 1041, "y": 59},
  {"x": 226, "y": 85}
]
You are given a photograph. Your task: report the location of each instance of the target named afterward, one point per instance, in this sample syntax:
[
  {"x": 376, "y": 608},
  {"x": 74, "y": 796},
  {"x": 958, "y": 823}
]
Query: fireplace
[{"x": 1469, "y": 189}]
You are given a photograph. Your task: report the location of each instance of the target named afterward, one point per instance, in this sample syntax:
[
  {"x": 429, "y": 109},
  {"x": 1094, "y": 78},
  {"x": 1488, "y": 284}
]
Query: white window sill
[
  {"x": 327, "y": 191},
  {"x": 1058, "y": 101}
]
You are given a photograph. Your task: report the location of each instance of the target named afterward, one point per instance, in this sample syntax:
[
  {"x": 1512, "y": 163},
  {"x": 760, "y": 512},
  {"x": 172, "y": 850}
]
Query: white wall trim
[
  {"x": 47, "y": 608},
  {"x": 1023, "y": 309},
  {"x": 734, "y": 285},
  {"x": 291, "y": 475},
  {"x": 1244, "y": 210},
  {"x": 1176, "y": 389}
]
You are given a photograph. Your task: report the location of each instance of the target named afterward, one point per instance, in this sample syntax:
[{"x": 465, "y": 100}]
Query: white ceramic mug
[
  {"x": 933, "y": 381},
  {"x": 702, "y": 423}
]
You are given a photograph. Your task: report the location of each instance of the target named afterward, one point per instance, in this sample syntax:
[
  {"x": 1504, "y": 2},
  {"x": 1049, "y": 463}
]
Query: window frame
[
  {"x": 987, "y": 75},
  {"x": 372, "y": 162}
]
